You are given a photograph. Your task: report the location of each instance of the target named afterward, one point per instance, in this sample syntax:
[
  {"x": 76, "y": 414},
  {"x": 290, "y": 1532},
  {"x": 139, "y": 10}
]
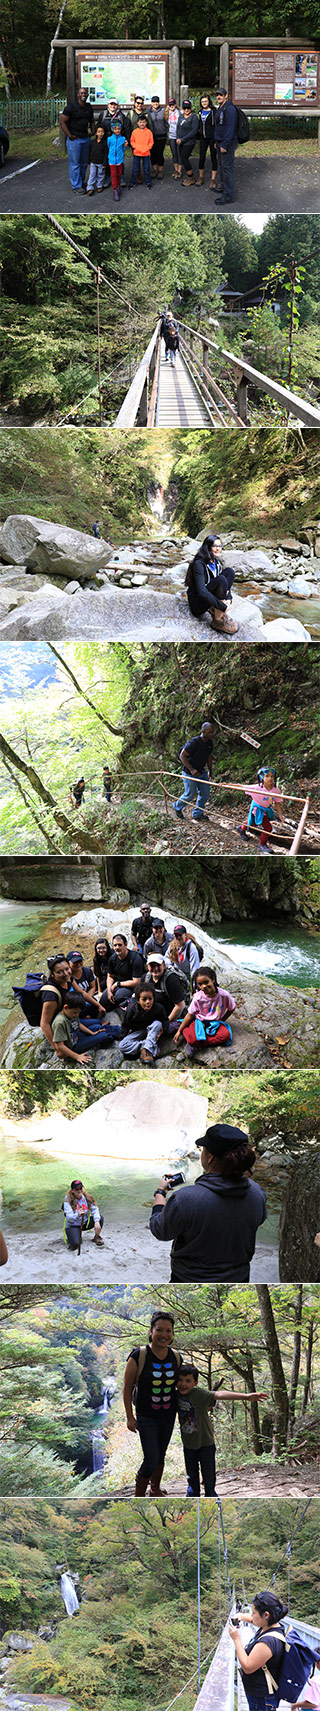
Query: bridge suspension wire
[
  {"x": 228, "y": 1603},
  {"x": 286, "y": 1556},
  {"x": 93, "y": 265}
]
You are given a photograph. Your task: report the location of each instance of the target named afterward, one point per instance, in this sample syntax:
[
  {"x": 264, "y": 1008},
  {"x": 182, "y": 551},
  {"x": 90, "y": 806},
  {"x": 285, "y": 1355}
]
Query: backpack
[
  {"x": 29, "y": 997},
  {"x": 199, "y": 949},
  {"x": 185, "y": 982},
  {"x": 142, "y": 1356},
  {"x": 243, "y": 127},
  {"x": 297, "y": 1662}
]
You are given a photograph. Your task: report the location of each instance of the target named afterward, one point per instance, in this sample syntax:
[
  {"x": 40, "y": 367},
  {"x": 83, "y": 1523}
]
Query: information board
[
  {"x": 121, "y": 76},
  {"x": 262, "y": 77}
]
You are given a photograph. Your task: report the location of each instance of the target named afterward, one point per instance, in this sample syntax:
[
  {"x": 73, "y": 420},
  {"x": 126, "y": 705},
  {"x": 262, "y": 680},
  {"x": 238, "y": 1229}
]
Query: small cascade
[
  {"x": 98, "y": 1452},
  {"x": 69, "y": 1594}
]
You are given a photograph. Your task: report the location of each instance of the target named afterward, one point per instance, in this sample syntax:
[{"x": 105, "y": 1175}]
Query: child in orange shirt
[{"x": 141, "y": 141}]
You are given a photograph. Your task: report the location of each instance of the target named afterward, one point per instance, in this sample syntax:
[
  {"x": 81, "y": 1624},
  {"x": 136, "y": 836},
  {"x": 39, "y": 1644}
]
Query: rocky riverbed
[
  {"x": 60, "y": 582},
  {"x": 271, "y": 1022}
]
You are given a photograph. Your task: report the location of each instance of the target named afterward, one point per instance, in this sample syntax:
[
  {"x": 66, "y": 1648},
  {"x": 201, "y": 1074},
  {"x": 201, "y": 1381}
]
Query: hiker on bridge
[
  {"x": 77, "y": 121},
  {"x": 206, "y": 1021},
  {"x": 225, "y": 132},
  {"x": 196, "y": 758},
  {"x": 81, "y": 1213},
  {"x": 213, "y": 1223},
  {"x": 266, "y": 801},
  {"x": 170, "y": 333},
  {"x": 209, "y": 585},
  {"x": 207, "y": 140},
  {"x": 150, "y": 1378},
  {"x": 262, "y": 1653}
]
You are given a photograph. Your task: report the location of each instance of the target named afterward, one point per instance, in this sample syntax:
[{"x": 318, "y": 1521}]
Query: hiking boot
[
  {"x": 242, "y": 833},
  {"x": 146, "y": 1057},
  {"x": 97, "y": 1242},
  {"x": 141, "y": 1486},
  {"x": 155, "y": 1487},
  {"x": 226, "y": 626},
  {"x": 200, "y": 819},
  {"x": 188, "y": 180},
  {"x": 201, "y": 177},
  {"x": 178, "y": 812}
]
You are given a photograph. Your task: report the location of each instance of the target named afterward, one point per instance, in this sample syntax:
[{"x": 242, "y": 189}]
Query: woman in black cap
[
  {"x": 264, "y": 1652},
  {"x": 213, "y": 1224},
  {"x": 209, "y": 586}
]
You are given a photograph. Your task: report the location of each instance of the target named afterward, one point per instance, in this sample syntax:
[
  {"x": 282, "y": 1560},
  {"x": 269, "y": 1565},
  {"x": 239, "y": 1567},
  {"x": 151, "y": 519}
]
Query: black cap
[{"x": 221, "y": 1138}]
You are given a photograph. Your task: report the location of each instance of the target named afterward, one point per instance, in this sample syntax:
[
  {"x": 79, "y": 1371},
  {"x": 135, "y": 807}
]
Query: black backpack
[
  {"x": 30, "y": 999},
  {"x": 243, "y": 127},
  {"x": 198, "y": 948}
]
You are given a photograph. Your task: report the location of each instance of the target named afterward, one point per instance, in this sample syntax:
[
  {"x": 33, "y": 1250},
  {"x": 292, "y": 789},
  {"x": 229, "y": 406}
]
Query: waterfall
[
  {"x": 98, "y": 1452},
  {"x": 69, "y": 1594},
  {"x": 104, "y": 1405}
]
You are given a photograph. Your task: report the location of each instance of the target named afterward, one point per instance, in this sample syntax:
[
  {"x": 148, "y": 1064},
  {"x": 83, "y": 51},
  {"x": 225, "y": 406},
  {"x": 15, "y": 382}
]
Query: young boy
[
  {"x": 194, "y": 1408},
  {"x": 116, "y": 146},
  {"x": 70, "y": 1039},
  {"x": 266, "y": 799},
  {"x": 97, "y": 161},
  {"x": 141, "y": 142}
]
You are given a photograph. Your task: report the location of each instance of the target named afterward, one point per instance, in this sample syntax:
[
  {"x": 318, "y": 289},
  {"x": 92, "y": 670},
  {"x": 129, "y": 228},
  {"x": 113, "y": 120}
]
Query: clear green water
[
  {"x": 34, "y": 1184},
  {"x": 19, "y": 926},
  {"x": 285, "y": 954}
]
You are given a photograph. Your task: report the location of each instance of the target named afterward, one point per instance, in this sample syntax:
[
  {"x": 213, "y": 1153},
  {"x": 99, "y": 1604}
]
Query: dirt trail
[{"x": 247, "y": 1481}]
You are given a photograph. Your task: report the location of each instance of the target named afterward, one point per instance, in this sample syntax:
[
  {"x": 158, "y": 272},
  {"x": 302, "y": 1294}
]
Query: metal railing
[
  {"x": 35, "y": 115},
  {"x": 139, "y": 404},
  {"x": 244, "y": 375},
  {"x": 218, "y": 1686}
]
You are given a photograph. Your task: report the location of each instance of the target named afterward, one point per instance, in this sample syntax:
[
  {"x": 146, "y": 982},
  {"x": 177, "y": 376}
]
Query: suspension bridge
[
  {"x": 223, "y": 1685},
  {"x": 208, "y": 387}
]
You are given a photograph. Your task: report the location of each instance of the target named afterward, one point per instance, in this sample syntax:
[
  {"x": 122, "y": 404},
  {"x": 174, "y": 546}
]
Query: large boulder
[
  {"x": 299, "y": 588},
  {"x": 246, "y": 561},
  {"x": 285, "y": 630},
  {"x": 48, "y": 547}
]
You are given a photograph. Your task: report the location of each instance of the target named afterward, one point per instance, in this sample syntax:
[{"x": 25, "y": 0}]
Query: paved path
[
  {"x": 274, "y": 184},
  {"x": 179, "y": 404}
]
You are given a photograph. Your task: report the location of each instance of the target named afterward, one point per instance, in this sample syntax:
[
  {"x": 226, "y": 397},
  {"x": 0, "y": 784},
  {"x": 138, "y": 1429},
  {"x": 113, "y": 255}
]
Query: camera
[{"x": 175, "y": 1181}]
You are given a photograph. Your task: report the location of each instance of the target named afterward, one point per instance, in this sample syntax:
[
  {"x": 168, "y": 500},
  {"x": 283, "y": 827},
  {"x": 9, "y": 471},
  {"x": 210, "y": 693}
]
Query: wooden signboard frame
[
  {"x": 285, "y": 79},
  {"x": 118, "y": 56}
]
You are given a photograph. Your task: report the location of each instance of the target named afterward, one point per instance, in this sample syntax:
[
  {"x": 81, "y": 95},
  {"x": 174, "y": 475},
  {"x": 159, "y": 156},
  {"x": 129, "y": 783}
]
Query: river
[{"x": 288, "y": 955}]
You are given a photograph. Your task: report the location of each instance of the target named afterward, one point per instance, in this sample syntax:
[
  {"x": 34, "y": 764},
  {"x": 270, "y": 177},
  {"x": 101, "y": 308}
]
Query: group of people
[
  {"x": 77, "y": 790},
  {"x": 135, "y": 994},
  {"x": 145, "y": 129}
]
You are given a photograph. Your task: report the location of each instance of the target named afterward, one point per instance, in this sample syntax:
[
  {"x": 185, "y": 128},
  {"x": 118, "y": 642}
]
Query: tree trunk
[
  {"x": 280, "y": 1394},
  {"x": 299, "y": 1222},
  {"x": 116, "y": 729},
  {"x": 85, "y": 843},
  {"x": 50, "y": 60},
  {"x": 295, "y": 1368},
  {"x": 254, "y": 1412},
  {"x": 46, "y": 835},
  {"x": 306, "y": 1390}
]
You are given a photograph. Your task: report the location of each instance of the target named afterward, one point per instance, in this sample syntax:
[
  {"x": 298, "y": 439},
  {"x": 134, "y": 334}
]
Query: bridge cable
[
  {"x": 93, "y": 265},
  {"x": 228, "y": 1602},
  {"x": 286, "y": 1556}
]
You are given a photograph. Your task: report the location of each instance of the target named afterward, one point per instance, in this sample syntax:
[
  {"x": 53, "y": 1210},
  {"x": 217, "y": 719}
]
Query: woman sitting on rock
[
  {"x": 144, "y": 1021},
  {"x": 206, "y": 1021},
  {"x": 54, "y": 992},
  {"x": 209, "y": 586}
]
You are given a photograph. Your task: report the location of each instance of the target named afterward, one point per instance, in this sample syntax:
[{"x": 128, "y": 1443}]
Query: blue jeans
[
  {"x": 192, "y": 790},
  {"x": 130, "y": 1046},
  {"x": 262, "y": 1704},
  {"x": 98, "y": 1039},
  {"x": 78, "y": 150},
  {"x": 155, "y": 1436},
  {"x": 144, "y": 161},
  {"x": 96, "y": 175},
  {"x": 206, "y": 1459},
  {"x": 226, "y": 164},
  {"x": 73, "y": 1231}
]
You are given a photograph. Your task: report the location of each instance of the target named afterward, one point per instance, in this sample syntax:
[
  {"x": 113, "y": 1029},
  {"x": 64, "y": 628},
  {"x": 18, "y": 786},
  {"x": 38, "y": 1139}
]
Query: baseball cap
[{"x": 221, "y": 1138}]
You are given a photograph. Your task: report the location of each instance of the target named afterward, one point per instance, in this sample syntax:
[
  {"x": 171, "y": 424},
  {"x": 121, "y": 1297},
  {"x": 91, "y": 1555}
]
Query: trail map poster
[
  {"x": 122, "y": 76},
  {"x": 265, "y": 78}
]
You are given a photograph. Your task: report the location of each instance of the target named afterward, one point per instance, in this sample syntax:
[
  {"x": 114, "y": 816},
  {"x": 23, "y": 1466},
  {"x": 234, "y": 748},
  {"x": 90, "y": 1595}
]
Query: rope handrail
[{"x": 282, "y": 394}]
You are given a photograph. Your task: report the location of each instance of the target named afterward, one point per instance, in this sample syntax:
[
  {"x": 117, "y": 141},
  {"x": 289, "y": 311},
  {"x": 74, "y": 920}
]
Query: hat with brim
[
  {"x": 155, "y": 958},
  {"x": 221, "y": 1138},
  {"x": 180, "y": 928}
]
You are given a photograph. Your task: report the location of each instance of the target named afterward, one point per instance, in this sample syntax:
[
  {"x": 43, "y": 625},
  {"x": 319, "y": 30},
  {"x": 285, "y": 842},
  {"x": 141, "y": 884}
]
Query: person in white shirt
[{"x": 81, "y": 1213}]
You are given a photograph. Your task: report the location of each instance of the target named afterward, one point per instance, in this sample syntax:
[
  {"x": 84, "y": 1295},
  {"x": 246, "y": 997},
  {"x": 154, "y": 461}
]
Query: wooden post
[
  {"x": 295, "y": 846},
  {"x": 205, "y": 364},
  {"x": 224, "y": 66},
  {"x": 99, "y": 351},
  {"x": 242, "y": 398}
]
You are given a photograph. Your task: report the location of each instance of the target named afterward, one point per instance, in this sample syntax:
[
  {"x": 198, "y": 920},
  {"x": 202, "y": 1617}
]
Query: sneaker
[
  {"x": 146, "y": 1057},
  {"x": 199, "y": 819},
  {"x": 264, "y": 850},
  {"x": 242, "y": 833},
  {"x": 189, "y": 1051},
  {"x": 178, "y": 812},
  {"x": 116, "y": 195}
]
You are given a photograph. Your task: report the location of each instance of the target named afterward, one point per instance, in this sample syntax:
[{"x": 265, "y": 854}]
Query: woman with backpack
[
  {"x": 264, "y": 1653},
  {"x": 150, "y": 1384},
  {"x": 209, "y": 586},
  {"x": 184, "y": 951},
  {"x": 53, "y": 993}
]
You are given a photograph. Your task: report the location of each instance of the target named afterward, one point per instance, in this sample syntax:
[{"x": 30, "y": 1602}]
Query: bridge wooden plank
[{"x": 179, "y": 404}]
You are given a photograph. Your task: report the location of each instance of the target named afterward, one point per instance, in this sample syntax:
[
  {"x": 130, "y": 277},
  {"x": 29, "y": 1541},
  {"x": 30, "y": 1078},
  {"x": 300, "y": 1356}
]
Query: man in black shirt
[
  {"x": 172, "y": 985},
  {"x": 141, "y": 927},
  {"x": 124, "y": 972},
  {"x": 76, "y": 120},
  {"x": 196, "y": 757}
]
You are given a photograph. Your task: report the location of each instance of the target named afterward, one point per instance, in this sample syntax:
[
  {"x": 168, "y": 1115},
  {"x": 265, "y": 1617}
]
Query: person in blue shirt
[
  {"x": 116, "y": 146},
  {"x": 225, "y": 136}
]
